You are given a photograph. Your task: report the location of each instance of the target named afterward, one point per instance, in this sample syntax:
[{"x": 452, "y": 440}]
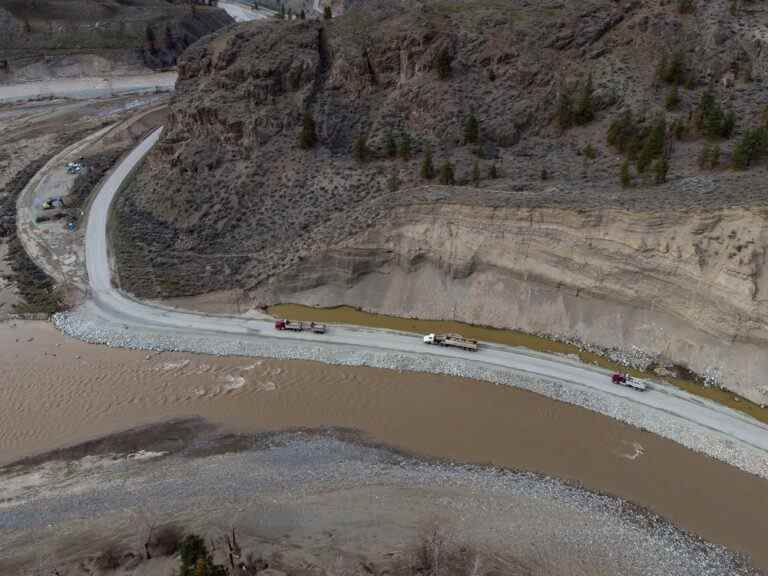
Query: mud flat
[{"x": 58, "y": 391}]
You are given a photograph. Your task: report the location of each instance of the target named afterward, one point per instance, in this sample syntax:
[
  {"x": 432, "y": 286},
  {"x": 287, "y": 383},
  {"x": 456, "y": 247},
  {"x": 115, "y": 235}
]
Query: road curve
[{"x": 110, "y": 307}]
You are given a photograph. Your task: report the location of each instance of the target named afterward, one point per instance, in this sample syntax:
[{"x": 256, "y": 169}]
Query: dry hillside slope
[
  {"x": 543, "y": 235},
  {"x": 43, "y": 39}
]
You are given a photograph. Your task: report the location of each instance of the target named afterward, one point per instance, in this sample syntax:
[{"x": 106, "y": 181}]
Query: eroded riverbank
[{"x": 59, "y": 391}]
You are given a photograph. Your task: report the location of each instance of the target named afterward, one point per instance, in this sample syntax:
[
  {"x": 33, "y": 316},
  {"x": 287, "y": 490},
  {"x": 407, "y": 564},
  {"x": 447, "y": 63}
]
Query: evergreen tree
[
  {"x": 673, "y": 98},
  {"x": 360, "y": 149},
  {"x": 443, "y": 64},
  {"x": 565, "y": 114},
  {"x": 626, "y": 177},
  {"x": 446, "y": 174},
  {"x": 427, "y": 168},
  {"x": 476, "y": 173},
  {"x": 660, "y": 170},
  {"x": 391, "y": 145},
  {"x": 151, "y": 39},
  {"x": 471, "y": 130},
  {"x": 308, "y": 138},
  {"x": 404, "y": 149},
  {"x": 585, "y": 112},
  {"x": 327, "y": 14},
  {"x": 493, "y": 172},
  {"x": 302, "y": 15},
  {"x": 394, "y": 181}
]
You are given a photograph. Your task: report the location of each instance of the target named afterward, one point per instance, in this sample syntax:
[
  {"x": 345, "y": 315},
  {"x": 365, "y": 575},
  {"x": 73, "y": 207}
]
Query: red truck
[{"x": 295, "y": 326}]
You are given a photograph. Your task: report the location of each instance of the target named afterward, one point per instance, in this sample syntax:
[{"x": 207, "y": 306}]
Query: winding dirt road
[{"x": 109, "y": 306}]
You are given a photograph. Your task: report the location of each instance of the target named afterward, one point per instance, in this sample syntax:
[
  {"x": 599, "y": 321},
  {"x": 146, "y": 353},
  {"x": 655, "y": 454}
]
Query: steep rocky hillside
[
  {"x": 599, "y": 127},
  {"x": 41, "y": 39}
]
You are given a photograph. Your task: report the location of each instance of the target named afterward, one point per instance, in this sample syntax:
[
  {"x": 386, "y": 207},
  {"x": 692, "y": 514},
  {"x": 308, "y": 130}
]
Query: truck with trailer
[
  {"x": 629, "y": 382},
  {"x": 295, "y": 326},
  {"x": 453, "y": 340}
]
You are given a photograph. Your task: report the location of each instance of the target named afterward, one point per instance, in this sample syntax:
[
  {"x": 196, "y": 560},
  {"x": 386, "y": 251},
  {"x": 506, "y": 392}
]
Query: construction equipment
[
  {"x": 454, "y": 340},
  {"x": 295, "y": 326},
  {"x": 629, "y": 382}
]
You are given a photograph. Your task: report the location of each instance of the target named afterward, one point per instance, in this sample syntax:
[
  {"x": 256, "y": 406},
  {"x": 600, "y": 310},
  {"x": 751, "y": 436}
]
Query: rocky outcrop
[
  {"x": 48, "y": 39},
  {"x": 688, "y": 288}
]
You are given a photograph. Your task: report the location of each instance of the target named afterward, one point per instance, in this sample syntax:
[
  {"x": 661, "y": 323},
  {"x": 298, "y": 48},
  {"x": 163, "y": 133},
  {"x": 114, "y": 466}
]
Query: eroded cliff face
[{"x": 689, "y": 288}]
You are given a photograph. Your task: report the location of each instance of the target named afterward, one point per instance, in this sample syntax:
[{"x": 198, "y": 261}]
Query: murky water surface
[
  {"x": 348, "y": 315},
  {"x": 56, "y": 391}
]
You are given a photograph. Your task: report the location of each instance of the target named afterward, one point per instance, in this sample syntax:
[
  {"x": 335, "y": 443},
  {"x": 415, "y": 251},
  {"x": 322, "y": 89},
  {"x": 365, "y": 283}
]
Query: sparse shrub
[
  {"x": 590, "y": 152},
  {"x": 686, "y": 7},
  {"x": 493, "y": 172},
  {"x": 427, "y": 168},
  {"x": 672, "y": 70},
  {"x": 709, "y": 158},
  {"x": 625, "y": 175},
  {"x": 196, "y": 560},
  {"x": 109, "y": 559},
  {"x": 750, "y": 148},
  {"x": 447, "y": 176},
  {"x": 327, "y": 14},
  {"x": 302, "y": 15},
  {"x": 673, "y": 98},
  {"x": 360, "y": 150},
  {"x": 544, "y": 174},
  {"x": 308, "y": 138},
  {"x": 404, "y": 149},
  {"x": 391, "y": 145},
  {"x": 660, "y": 170},
  {"x": 443, "y": 62},
  {"x": 584, "y": 111},
  {"x": 471, "y": 130},
  {"x": 166, "y": 540}
]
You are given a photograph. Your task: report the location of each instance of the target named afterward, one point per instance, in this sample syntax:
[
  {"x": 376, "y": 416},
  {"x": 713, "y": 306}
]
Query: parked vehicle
[
  {"x": 295, "y": 326},
  {"x": 53, "y": 202},
  {"x": 454, "y": 340},
  {"x": 629, "y": 381}
]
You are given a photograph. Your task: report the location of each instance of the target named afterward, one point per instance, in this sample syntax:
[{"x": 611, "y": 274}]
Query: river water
[{"x": 56, "y": 391}]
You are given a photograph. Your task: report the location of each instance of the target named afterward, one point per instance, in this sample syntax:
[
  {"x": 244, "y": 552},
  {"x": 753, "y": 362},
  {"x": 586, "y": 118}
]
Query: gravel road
[{"x": 116, "y": 319}]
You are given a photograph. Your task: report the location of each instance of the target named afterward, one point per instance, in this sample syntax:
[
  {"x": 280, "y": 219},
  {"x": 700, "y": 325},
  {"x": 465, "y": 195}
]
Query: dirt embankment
[
  {"x": 229, "y": 200},
  {"x": 49, "y": 39}
]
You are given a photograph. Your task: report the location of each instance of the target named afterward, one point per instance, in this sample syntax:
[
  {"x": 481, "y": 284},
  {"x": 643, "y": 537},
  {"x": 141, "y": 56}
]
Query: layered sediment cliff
[{"x": 684, "y": 287}]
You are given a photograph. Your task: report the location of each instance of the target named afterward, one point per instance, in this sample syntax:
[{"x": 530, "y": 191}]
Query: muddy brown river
[{"x": 56, "y": 391}]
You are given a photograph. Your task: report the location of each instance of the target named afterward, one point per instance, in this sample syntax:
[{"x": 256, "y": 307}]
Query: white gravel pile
[{"x": 691, "y": 435}]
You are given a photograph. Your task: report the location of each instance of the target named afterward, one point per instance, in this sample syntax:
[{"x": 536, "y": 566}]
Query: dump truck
[
  {"x": 629, "y": 382},
  {"x": 454, "y": 340},
  {"x": 295, "y": 326}
]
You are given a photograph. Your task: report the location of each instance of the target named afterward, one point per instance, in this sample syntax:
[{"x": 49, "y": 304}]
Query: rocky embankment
[
  {"x": 49, "y": 39},
  {"x": 605, "y": 197}
]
